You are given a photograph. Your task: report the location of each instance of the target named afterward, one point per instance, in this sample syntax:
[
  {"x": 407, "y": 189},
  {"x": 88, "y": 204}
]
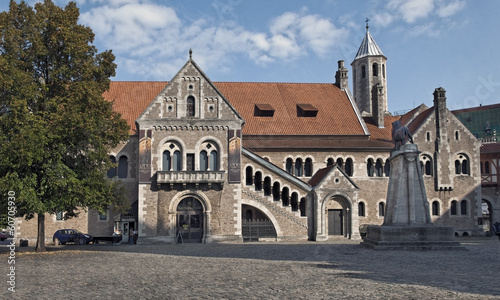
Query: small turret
[{"x": 341, "y": 78}]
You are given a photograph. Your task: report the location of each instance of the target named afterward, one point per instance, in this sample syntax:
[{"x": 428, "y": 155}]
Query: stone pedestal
[{"x": 407, "y": 222}]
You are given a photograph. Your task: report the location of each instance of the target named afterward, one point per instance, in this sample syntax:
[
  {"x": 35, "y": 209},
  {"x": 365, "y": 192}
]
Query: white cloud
[
  {"x": 144, "y": 36},
  {"x": 411, "y": 10},
  {"x": 447, "y": 10}
]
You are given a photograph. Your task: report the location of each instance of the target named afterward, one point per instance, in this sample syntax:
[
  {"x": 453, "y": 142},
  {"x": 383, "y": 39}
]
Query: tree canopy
[{"x": 55, "y": 126}]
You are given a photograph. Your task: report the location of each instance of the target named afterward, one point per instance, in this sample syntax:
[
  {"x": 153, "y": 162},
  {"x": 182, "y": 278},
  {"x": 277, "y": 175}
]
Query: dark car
[
  {"x": 63, "y": 236},
  {"x": 3, "y": 236}
]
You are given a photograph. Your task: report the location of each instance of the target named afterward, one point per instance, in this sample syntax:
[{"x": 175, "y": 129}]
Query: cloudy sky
[{"x": 429, "y": 43}]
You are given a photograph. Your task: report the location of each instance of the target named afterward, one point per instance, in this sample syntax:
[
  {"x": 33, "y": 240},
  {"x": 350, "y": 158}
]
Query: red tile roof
[
  {"x": 335, "y": 116},
  {"x": 490, "y": 148},
  {"x": 132, "y": 97}
]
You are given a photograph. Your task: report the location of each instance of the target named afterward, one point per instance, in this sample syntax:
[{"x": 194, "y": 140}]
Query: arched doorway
[
  {"x": 338, "y": 218},
  {"x": 190, "y": 220}
]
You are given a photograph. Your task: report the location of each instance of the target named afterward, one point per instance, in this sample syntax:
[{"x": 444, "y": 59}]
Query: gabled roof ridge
[
  {"x": 323, "y": 173},
  {"x": 417, "y": 122},
  {"x": 476, "y": 108}
]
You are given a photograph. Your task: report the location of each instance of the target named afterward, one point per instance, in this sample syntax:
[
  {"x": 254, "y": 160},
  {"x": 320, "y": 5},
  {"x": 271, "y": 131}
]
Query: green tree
[{"x": 56, "y": 127}]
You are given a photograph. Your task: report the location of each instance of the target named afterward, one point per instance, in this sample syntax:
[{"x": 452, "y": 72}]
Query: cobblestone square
[{"x": 337, "y": 269}]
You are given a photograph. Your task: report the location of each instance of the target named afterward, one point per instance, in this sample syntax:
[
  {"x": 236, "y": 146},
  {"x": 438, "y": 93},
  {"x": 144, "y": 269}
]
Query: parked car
[
  {"x": 3, "y": 236},
  {"x": 63, "y": 236}
]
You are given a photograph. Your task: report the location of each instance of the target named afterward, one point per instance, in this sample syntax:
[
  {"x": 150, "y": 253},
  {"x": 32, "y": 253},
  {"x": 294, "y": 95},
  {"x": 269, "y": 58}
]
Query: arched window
[
  {"x": 381, "y": 209},
  {"x": 289, "y": 166},
  {"x": 276, "y": 191},
  {"x": 387, "y": 168},
  {"x": 177, "y": 161},
  {"x": 190, "y": 107},
  {"x": 214, "y": 161},
  {"x": 363, "y": 71},
  {"x": 379, "y": 169},
  {"x": 209, "y": 161},
  {"x": 370, "y": 167},
  {"x": 258, "y": 181},
  {"x": 295, "y": 202},
  {"x": 375, "y": 69},
  {"x": 166, "y": 161},
  {"x": 453, "y": 208},
  {"x": 298, "y": 168},
  {"x": 249, "y": 176},
  {"x": 308, "y": 167},
  {"x": 383, "y": 70},
  {"x": 112, "y": 171},
  {"x": 462, "y": 164},
  {"x": 428, "y": 136},
  {"x": 457, "y": 136},
  {"x": 203, "y": 161},
  {"x": 285, "y": 196},
  {"x": 426, "y": 165},
  {"x": 340, "y": 163},
  {"x": 349, "y": 167},
  {"x": 302, "y": 207},
  {"x": 330, "y": 162},
  {"x": 267, "y": 186},
  {"x": 463, "y": 207},
  {"x": 435, "y": 208},
  {"x": 123, "y": 167},
  {"x": 172, "y": 157},
  {"x": 361, "y": 209}
]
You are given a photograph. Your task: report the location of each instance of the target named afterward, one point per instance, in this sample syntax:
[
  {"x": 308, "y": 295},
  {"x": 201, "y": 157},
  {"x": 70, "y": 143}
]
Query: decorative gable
[{"x": 189, "y": 95}]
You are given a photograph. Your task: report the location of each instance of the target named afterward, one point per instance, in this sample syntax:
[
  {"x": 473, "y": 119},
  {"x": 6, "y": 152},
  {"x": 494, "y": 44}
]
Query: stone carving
[{"x": 400, "y": 134}]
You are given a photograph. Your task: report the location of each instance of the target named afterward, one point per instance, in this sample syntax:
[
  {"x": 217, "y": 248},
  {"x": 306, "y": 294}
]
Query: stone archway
[
  {"x": 190, "y": 220},
  {"x": 337, "y": 216}
]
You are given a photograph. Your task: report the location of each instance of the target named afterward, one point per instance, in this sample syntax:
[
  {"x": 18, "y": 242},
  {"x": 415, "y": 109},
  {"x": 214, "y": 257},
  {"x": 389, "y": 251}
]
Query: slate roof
[{"x": 368, "y": 47}]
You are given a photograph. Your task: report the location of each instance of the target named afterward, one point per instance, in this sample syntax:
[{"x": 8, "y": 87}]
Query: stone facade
[{"x": 204, "y": 158}]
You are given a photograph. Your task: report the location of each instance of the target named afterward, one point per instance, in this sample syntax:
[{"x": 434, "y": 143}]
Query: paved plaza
[{"x": 338, "y": 269}]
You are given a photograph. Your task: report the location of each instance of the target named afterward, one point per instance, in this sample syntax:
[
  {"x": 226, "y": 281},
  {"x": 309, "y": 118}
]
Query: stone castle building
[{"x": 231, "y": 161}]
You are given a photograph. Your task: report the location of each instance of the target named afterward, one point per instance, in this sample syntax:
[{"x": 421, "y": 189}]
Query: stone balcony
[{"x": 190, "y": 177}]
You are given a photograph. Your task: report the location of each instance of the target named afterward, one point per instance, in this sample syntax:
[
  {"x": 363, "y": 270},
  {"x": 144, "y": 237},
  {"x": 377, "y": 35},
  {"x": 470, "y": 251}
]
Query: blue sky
[{"x": 429, "y": 43}]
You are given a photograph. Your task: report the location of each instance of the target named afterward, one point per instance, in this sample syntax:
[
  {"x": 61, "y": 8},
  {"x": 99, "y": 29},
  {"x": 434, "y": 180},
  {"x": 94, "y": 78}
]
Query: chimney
[
  {"x": 341, "y": 79},
  {"x": 378, "y": 105},
  {"x": 441, "y": 112}
]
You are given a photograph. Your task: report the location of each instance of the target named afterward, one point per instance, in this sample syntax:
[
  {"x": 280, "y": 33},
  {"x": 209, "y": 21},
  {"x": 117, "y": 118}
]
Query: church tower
[{"x": 370, "y": 80}]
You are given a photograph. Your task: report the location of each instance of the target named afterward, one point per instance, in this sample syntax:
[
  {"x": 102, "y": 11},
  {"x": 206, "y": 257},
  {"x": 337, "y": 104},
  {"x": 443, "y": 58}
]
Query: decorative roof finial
[
  {"x": 190, "y": 53},
  {"x": 367, "y": 23}
]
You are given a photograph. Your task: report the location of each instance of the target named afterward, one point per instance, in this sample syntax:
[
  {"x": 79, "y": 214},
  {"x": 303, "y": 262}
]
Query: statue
[{"x": 400, "y": 134}]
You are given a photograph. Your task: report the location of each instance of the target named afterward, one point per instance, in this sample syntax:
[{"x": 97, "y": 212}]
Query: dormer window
[
  {"x": 306, "y": 110},
  {"x": 263, "y": 110}
]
